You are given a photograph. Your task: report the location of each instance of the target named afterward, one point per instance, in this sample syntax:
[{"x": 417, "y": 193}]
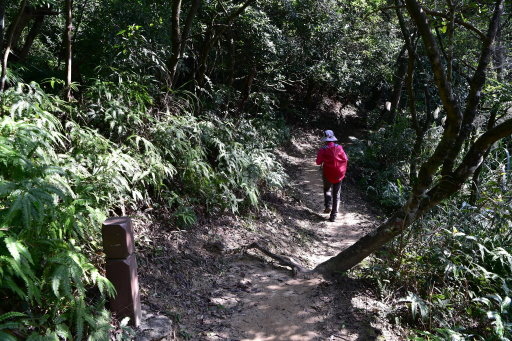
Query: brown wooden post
[{"x": 121, "y": 268}]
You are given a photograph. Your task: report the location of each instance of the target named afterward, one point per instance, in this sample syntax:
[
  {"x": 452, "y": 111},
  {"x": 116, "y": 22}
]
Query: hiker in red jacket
[{"x": 334, "y": 161}]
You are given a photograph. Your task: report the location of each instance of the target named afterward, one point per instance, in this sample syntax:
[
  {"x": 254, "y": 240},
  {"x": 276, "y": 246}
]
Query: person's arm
[
  {"x": 319, "y": 157},
  {"x": 344, "y": 161},
  {"x": 343, "y": 155}
]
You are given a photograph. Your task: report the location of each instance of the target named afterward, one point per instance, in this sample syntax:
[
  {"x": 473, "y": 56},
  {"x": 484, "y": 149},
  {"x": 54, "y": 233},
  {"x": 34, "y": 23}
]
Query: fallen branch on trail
[{"x": 282, "y": 260}]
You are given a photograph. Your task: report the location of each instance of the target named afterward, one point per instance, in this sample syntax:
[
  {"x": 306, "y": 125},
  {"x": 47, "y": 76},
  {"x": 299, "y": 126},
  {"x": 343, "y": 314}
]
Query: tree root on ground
[{"x": 282, "y": 260}]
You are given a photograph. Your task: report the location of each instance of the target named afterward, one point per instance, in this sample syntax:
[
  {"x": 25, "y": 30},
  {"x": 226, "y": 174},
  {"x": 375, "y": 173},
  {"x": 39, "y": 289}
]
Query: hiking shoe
[
  {"x": 327, "y": 210},
  {"x": 332, "y": 219}
]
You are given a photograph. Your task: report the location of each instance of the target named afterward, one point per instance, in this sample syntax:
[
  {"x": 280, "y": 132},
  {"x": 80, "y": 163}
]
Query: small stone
[
  {"x": 217, "y": 247},
  {"x": 244, "y": 284},
  {"x": 154, "y": 327}
]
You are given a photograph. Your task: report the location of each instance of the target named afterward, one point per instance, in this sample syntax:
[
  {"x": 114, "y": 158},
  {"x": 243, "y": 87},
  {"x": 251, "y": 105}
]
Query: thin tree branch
[
  {"x": 475, "y": 90},
  {"x": 68, "y": 39},
  {"x": 2, "y": 22},
  {"x": 457, "y": 21}
]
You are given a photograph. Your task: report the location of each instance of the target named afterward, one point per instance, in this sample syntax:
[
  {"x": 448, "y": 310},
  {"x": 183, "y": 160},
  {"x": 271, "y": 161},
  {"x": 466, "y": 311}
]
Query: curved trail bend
[
  {"x": 234, "y": 296},
  {"x": 283, "y": 308}
]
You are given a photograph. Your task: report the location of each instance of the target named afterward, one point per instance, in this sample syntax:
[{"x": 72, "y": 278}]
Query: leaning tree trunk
[
  {"x": 17, "y": 27},
  {"x": 425, "y": 194},
  {"x": 8, "y": 46},
  {"x": 410, "y": 213}
]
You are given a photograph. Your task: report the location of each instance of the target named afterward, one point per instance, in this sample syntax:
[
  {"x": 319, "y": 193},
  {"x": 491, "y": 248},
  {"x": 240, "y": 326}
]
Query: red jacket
[{"x": 334, "y": 161}]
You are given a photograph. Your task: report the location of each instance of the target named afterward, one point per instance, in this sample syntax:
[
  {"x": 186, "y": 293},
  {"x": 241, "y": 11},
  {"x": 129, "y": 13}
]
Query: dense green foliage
[
  {"x": 381, "y": 164},
  {"x": 454, "y": 267},
  {"x": 181, "y": 107},
  {"x": 450, "y": 274},
  {"x": 60, "y": 180}
]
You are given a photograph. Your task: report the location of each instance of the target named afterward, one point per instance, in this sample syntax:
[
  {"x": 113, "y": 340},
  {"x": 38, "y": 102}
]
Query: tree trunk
[
  {"x": 424, "y": 194},
  {"x": 78, "y": 20},
  {"x": 476, "y": 85},
  {"x": 203, "y": 57},
  {"x": 18, "y": 25},
  {"x": 475, "y": 183},
  {"x": 175, "y": 39},
  {"x": 499, "y": 55},
  {"x": 68, "y": 35},
  {"x": 179, "y": 38},
  {"x": 212, "y": 36},
  {"x": 31, "y": 36},
  {"x": 232, "y": 62},
  {"x": 420, "y": 135},
  {"x": 188, "y": 25},
  {"x": 8, "y": 46},
  {"x": 451, "y": 32},
  {"x": 365, "y": 246},
  {"x": 411, "y": 212},
  {"x": 29, "y": 13},
  {"x": 2, "y": 23},
  {"x": 246, "y": 91},
  {"x": 411, "y": 100},
  {"x": 398, "y": 84}
]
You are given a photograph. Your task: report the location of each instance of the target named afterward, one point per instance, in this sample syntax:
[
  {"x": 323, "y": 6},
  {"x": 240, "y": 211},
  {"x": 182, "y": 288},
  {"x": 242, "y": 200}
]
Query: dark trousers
[{"x": 332, "y": 196}]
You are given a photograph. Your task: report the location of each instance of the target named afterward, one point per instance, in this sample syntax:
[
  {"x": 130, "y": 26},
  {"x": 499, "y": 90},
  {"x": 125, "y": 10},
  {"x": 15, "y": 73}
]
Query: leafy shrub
[
  {"x": 455, "y": 267},
  {"x": 222, "y": 163},
  {"x": 59, "y": 179},
  {"x": 382, "y": 162},
  {"x": 43, "y": 262}
]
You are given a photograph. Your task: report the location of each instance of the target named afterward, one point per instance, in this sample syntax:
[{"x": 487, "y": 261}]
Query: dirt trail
[
  {"x": 291, "y": 309},
  {"x": 245, "y": 296}
]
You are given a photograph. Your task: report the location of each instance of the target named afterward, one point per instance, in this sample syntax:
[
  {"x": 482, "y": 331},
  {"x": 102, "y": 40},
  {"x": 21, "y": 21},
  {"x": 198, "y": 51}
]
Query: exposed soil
[{"x": 214, "y": 289}]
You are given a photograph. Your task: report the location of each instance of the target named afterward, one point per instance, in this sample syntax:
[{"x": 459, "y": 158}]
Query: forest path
[
  {"x": 275, "y": 306},
  {"x": 284, "y": 308},
  {"x": 217, "y": 293}
]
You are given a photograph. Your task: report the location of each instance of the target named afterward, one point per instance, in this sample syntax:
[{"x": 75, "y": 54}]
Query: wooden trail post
[{"x": 121, "y": 267}]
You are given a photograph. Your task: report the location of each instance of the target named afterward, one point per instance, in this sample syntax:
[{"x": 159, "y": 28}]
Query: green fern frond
[
  {"x": 79, "y": 312},
  {"x": 50, "y": 336},
  {"x": 60, "y": 275},
  {"x": 11, "y": 325},
  {"x": 7, "y": 337},
  {"x": 63, "y": 332},
  {"x": 15, "y": 248},
  {"x": 10, "y": 315},
  {"x": 9, "y": 284}
]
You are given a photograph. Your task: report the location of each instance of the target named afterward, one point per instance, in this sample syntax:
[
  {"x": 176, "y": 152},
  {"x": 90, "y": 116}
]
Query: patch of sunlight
[
  {"x": 260, "y": 337},
  {"x": 352, "y": 218},
  {"x": 312, "y": 320}
]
